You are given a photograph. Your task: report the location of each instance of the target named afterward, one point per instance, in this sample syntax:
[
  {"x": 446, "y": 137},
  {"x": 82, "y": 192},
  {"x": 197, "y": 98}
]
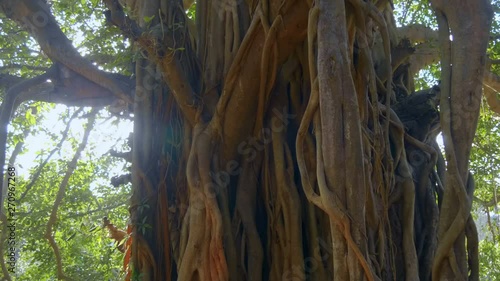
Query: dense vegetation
[{"x": 272, "y": 140}]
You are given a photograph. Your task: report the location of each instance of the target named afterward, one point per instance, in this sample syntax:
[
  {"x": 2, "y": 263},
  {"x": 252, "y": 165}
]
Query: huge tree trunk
[
  {"x": 259, "y": 193},
  {"x": 278, "y": 140}
]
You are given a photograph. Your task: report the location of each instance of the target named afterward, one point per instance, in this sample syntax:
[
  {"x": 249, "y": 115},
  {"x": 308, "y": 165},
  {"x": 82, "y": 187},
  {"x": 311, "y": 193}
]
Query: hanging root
[
  {"x": 335, "y": 209},
  {"x": 265, "y": 73},
  {"x": 204, "y": 254},
  {"x": 245, "y": 205},
  {"x": 472, "y": 249}
]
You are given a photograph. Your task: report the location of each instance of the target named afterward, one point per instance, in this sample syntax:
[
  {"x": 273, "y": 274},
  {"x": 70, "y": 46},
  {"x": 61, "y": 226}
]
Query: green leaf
[
  {"x": 148, "y": 19},
  {"x": 30, "y": 118}
]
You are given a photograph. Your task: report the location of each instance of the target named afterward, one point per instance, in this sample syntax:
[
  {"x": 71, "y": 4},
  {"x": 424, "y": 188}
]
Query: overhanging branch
[
  {"x": 427, "y": 52},
  {"x": 73, "y": 91},
  {"x": 35, "y": 16},
  {"x": 418, "y": 33}
]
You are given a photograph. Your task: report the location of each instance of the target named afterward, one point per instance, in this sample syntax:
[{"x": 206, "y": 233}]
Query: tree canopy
[{"x": 269, "y": 140}]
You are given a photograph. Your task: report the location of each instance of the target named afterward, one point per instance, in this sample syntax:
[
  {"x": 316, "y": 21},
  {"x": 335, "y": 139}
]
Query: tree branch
[
  {"x": 36, "y": 17},
  {"x": 427, "y": 53},
  {"x": 66, "y": 87},
  {"x": 418, "y": 33},
  {"x": 38, "y": 172},
  {"x": 60, "y": 196},
  {"x": 21, "y": 66},
  {"x": 7, "y": 81},
  {"x": 490, "y": 203},
  {"x": 8, "y": 106}
]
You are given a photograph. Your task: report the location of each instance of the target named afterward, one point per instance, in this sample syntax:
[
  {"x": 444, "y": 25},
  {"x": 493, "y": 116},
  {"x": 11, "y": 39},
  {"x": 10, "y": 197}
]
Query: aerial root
[
  {"x": 336, "y": 211},
  {"x": 334, "y": 208},
  {"x": 245, "y": 206},
  {"x": 205, "y": 220},
  {"x": 267, "y": 76},
  {"x": 472, "y": 249}
]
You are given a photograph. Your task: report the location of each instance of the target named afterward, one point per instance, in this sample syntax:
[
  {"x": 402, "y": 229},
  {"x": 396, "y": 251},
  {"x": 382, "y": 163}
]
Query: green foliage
[
  {"x": 191, "y": 12},
  {"x": 427, "y": 77},
  {"x": 412, "y": 12},
  {"x": 149, "y": 19},
  {"x": 488, "y": 260},
  {"x": 88, "y": 254},
  {"x": 485, "y": 165}
]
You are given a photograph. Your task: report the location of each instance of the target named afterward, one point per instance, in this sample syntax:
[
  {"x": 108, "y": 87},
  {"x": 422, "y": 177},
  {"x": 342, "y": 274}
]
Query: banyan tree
[{"x": 284, "y": 139}]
